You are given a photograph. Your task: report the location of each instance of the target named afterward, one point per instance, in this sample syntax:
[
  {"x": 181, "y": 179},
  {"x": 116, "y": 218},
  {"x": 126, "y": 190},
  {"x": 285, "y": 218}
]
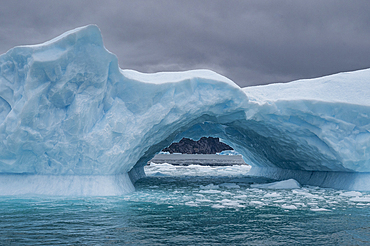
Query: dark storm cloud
[{"x": 251, "y": 42}]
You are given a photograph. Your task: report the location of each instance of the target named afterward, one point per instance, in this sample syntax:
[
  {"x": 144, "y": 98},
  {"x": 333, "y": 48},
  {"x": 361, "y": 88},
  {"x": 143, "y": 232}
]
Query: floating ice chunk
[
  {"x": 226, "y": 193},
  {"x": 351, "y": 193},
  {"x": 230, "y": 203},
  {"x": 230, "y": 185},
  {"x": 256, "y": 203},
  {"x": 300, "y": 204},
  {"x": 361, "y": 204},
  {"x": 360, "y": 199},
  {"x": 210, "y": 191},
  {"x": 288, "y": 206},
  {"x": 240, "y": 196},
  {"x": 210, "y": 186},
  {"x": 279, "y": 201},
  {"x": 304, "y": 193},
  {"x": 332, "y": 202},
  {"x": 217, "y": 206},
  {"x": 285, "y": 184},
  {"x": 191, "y": 204},
  {"x": 273, "y": 194},
  {"x": 319, "y": 209}
]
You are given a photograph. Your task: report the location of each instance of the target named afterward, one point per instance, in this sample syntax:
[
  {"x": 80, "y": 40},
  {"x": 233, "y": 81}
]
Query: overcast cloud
[{"x": 251, "y": 42}]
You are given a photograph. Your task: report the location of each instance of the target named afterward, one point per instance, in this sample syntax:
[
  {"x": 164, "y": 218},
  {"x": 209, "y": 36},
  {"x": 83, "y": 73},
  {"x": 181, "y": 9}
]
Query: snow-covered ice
[{"x": 68, "y": 110}]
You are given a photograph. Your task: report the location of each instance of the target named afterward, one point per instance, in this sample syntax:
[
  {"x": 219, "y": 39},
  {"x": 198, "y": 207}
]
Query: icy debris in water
[
  {"x": 207, "y": 192},
  {"x": 285, "y": 184}
]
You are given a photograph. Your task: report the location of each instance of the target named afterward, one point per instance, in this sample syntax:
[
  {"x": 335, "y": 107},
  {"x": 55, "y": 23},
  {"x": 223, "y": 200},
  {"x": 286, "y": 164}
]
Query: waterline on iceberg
[{"x": 65, "y": 185}]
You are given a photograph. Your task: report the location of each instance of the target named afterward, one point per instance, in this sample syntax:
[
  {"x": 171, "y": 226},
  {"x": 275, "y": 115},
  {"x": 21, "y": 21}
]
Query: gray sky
[{"x": 251, "y": 42}]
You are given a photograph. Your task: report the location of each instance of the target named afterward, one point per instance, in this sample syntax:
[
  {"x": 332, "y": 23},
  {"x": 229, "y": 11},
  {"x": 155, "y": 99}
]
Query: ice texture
[{"x": 67, "y": 110}]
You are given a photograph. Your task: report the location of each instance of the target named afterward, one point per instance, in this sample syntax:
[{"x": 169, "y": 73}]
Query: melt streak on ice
[{"x": 73, "y": 122}]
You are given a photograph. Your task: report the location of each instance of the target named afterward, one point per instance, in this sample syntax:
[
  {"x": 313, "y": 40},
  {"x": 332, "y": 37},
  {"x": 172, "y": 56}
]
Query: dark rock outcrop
[{"x": 205, "y": 145}]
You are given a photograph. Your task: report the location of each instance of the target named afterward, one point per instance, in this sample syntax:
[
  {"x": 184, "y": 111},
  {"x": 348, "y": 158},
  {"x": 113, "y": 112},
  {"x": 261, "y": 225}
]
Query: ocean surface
[{"x": 191, "y": 205}]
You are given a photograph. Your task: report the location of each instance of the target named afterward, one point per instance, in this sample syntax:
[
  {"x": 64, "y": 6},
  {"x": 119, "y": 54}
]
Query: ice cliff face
[{"x": 68, "y": 110}]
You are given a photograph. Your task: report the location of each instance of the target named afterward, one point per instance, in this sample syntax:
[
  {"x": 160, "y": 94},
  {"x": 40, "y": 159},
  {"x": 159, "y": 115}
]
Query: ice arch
[{"x": 73, "y": 123}]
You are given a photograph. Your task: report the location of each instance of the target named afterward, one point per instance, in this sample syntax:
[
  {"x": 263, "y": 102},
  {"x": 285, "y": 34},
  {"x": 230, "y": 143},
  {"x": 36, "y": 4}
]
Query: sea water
[{"x": 191, "y": 205}]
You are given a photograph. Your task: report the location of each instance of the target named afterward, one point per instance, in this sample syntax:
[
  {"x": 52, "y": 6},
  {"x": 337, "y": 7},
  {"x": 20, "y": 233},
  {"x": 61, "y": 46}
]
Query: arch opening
[{"x": 270, "y": 151}]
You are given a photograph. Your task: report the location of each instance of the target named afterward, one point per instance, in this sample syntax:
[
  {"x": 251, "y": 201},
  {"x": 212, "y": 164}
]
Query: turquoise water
[{"x": 185, "y": 206}]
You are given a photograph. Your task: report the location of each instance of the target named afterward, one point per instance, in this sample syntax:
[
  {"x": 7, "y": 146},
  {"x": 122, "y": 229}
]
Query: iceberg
[{"x": 73, "y": 122}]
